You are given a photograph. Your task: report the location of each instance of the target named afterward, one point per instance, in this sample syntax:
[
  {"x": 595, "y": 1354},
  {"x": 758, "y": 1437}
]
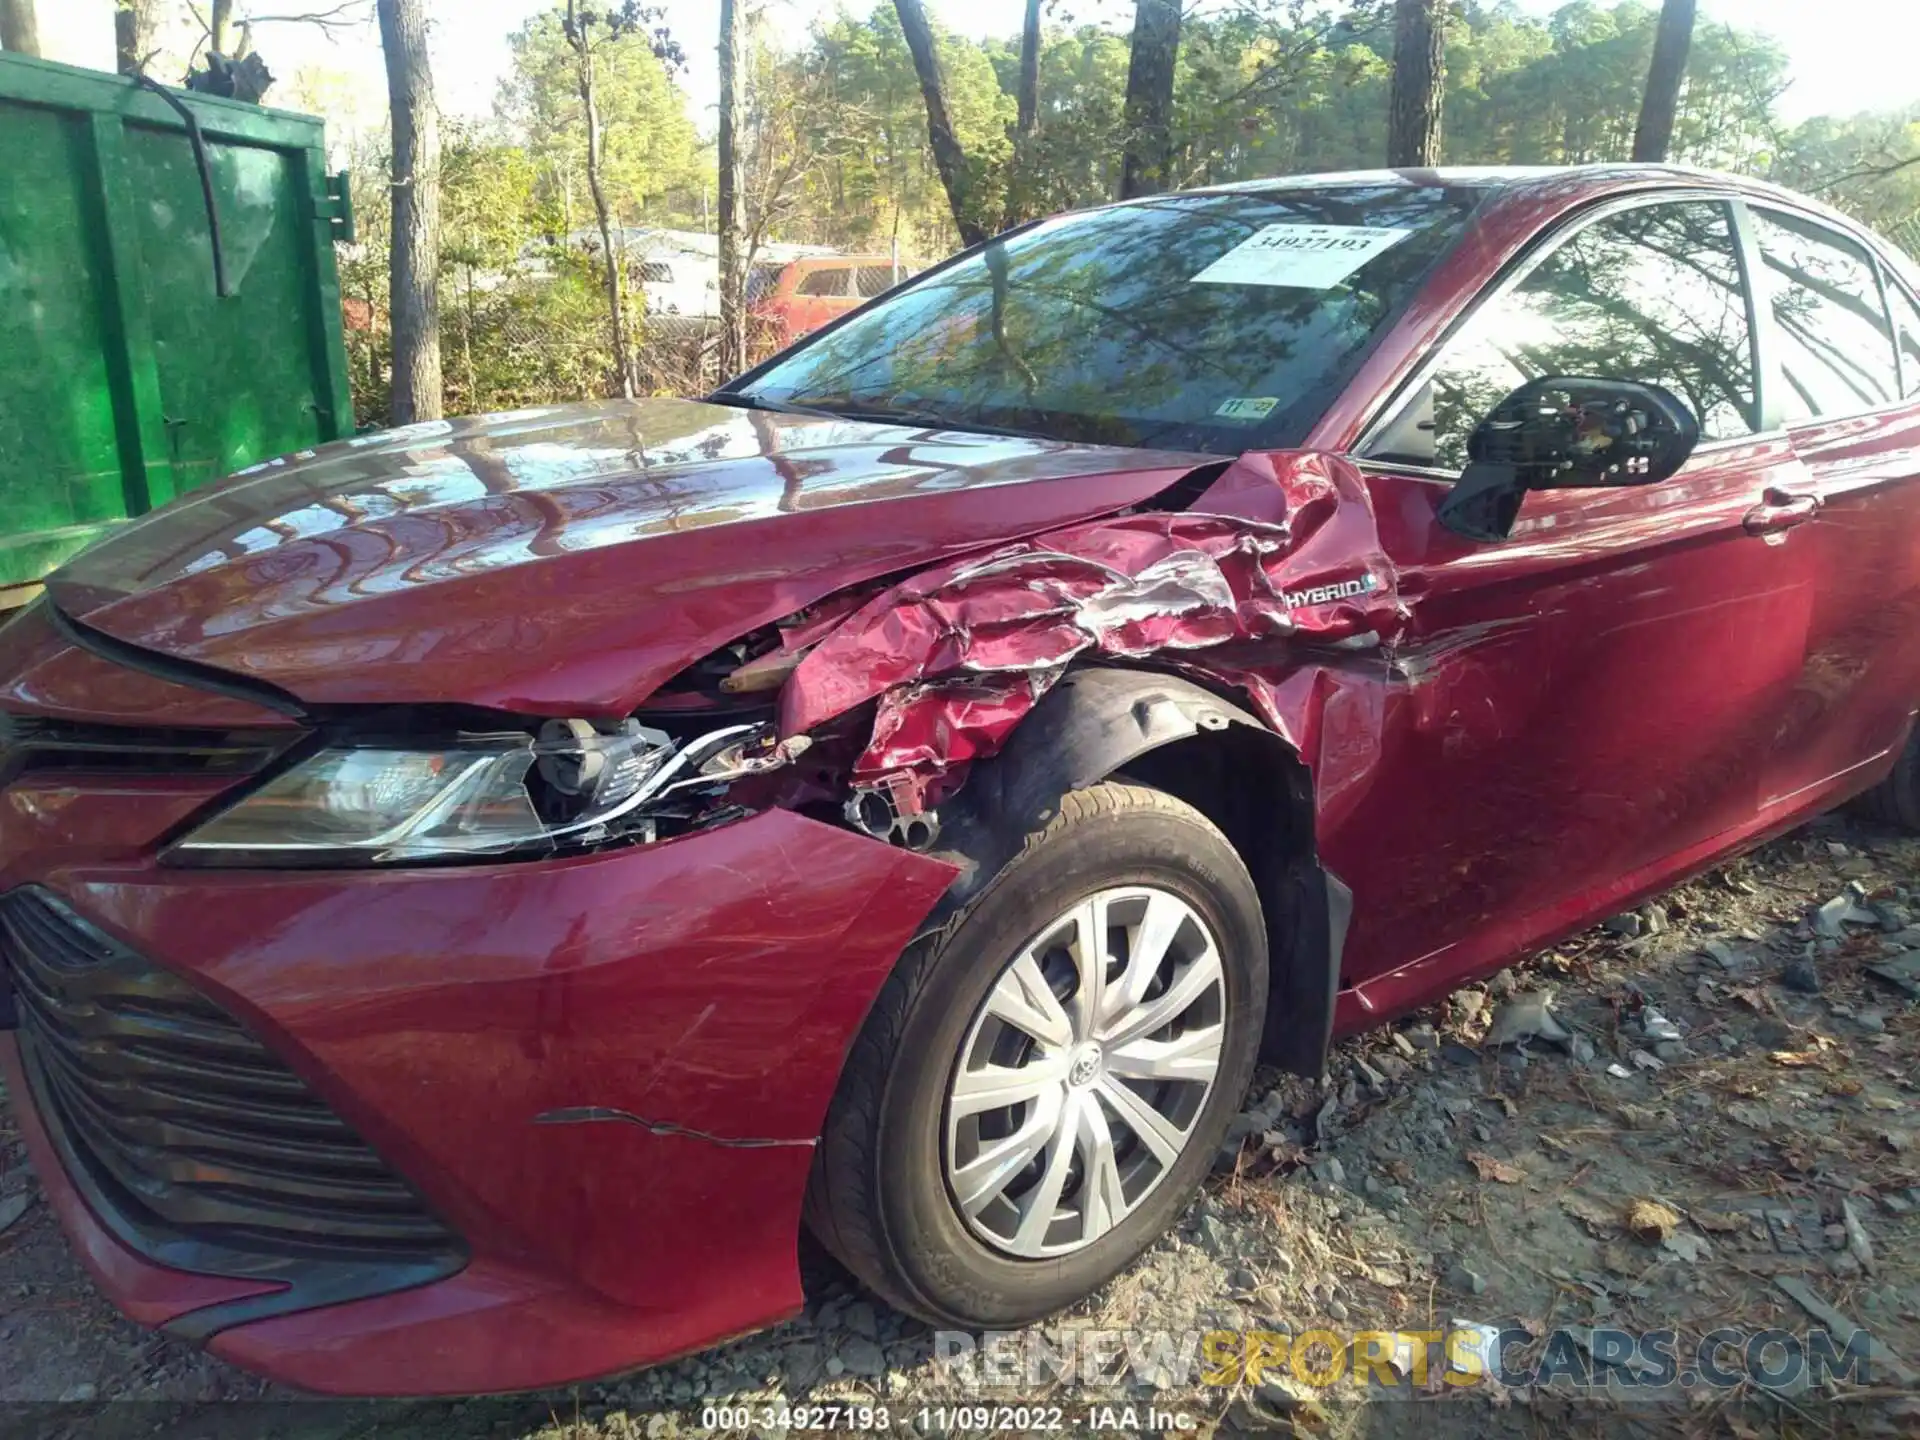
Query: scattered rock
[
  {"x": 1284, "y": 1395},
  {"x": 1628, "y": 925},
  {"x": 1689, "y": 1247},
  {"x": 1214, "y": 1238},
  {"x": 1858, "y": 1245},
  {"x": 1903, "y": 971},
  {"x": 1581, "y": 1048},
  {"x": 861, "y": 1320},
  {"x": 863, "y": 1357},
  {"x": 1466, "y": 1281},
  {"x": 1723, "y": 955},
  {"x": 79, "y": 1394},
  {"x": 11, "y": 1211},
  {"x": 1526, "y": 1017},
  {"x": 1656, "y": 1026},
  {"x": 1643, "y": 1061},
  {"x": 1832, "y": 918},
  {"x": 1801, "y": 975}
]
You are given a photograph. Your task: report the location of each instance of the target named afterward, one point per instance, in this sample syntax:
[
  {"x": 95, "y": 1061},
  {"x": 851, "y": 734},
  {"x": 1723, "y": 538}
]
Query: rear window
[
  {"x": 824, "y": 282},
  {"x": 1210, "y": 322},
  {"x": 872, "y": 280}
]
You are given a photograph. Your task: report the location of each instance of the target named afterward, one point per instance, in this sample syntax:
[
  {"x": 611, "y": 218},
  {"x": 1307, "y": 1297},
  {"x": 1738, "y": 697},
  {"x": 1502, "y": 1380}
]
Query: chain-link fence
[{"x": 514, "y": 341}]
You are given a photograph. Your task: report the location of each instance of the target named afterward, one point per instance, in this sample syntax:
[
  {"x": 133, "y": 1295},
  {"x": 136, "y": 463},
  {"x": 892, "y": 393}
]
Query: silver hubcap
[{"x": 1084, "y": 1072}]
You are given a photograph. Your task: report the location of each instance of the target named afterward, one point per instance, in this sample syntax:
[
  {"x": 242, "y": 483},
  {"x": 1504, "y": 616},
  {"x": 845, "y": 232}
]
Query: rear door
[
  {"x": 1588, "y": 707},
  {"x": 1832, "y": 316}
]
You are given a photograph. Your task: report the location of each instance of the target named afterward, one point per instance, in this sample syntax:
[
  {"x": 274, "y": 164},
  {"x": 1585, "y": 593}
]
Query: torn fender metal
[{"x": 959, "y": 654}]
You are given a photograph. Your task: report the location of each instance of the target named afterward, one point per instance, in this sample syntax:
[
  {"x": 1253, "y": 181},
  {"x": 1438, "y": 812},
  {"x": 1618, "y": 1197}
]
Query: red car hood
[{"x": 568, "y": 559}]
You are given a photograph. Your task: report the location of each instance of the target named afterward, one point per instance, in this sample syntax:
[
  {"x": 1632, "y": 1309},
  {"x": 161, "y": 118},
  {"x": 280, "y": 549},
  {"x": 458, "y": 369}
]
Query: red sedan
[{"x": 470, "y": 894}]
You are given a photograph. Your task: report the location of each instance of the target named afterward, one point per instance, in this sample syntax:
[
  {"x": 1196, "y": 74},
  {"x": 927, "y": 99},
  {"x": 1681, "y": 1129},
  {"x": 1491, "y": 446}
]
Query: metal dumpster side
[{"x": 126, "y": 377}]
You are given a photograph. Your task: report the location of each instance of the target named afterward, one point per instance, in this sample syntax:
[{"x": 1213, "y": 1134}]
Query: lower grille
[{"x": 183, "y": 1126}]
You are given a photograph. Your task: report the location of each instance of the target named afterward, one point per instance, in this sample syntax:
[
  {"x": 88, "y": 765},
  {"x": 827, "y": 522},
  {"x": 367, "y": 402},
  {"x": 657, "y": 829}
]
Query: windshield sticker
[
  {"x": 1245, "y": 409},
  {"x": 1306, "y": 257}
]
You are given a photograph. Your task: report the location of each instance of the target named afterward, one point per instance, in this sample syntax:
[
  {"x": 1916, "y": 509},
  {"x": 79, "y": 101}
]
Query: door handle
[{"x": 1781, "y": 510}]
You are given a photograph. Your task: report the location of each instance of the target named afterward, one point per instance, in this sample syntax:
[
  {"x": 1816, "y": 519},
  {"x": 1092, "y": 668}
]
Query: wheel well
[
  {"x": 1167, "y": 732},
  {"x": 1251, "y": 784}
]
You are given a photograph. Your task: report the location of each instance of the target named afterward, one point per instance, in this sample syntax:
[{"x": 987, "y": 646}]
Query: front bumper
[{"x": 604, "y": 1074}]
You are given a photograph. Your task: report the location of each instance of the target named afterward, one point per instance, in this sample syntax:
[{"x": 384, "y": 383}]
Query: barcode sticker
[{"x": 1306, "y": 257}]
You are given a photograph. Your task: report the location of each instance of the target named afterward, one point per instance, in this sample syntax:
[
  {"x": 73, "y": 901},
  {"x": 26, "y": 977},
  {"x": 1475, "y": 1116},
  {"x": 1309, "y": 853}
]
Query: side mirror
[{"x": 1562, "y": 432}]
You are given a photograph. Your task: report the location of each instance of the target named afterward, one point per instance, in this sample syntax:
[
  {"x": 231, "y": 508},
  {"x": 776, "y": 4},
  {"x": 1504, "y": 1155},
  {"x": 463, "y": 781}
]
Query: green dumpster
[{"x": 169, "y": 308}]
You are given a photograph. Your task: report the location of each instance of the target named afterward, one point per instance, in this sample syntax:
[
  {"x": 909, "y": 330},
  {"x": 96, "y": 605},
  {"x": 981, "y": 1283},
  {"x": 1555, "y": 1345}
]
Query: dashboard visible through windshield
[{"x": 1210, "y": 322}]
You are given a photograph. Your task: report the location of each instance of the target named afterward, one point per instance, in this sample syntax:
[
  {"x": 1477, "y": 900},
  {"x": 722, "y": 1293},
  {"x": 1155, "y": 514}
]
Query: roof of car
[
  {"x": 1554, "y": 188},
  {"x": 1495, "y": 177}
]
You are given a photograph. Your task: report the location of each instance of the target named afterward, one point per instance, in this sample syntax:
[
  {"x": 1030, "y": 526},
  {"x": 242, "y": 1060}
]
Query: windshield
[{"x": 1193, "y": 322}]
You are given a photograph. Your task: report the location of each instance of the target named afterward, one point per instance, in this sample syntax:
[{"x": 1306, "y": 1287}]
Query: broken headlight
[{"x": 574, "y": 784}]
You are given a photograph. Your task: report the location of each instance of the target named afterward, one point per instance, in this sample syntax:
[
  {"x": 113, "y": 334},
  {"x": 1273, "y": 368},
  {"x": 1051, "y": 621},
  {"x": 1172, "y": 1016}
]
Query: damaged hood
[{"x": 565, "y": 559}]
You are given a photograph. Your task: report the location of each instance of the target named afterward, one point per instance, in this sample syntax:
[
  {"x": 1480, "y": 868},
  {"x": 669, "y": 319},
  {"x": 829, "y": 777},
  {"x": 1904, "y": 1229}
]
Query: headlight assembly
[{"x": 573, "y": 785}]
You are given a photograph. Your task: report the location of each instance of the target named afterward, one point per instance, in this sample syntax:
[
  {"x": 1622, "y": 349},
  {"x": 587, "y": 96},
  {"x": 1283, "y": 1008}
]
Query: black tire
[
  {"x": 1896, "y": 799},
  {"x": 878, "y": 1197}
]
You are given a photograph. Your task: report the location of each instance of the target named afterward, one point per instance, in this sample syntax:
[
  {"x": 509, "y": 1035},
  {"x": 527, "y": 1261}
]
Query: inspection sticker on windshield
[
  {"x": 1307, "y": 257},
  {"x": 1246, "y": 409}
]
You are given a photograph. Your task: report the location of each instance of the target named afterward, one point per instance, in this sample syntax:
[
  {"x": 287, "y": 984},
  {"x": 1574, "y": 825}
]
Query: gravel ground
[{"x": 1718, "y": 1126}]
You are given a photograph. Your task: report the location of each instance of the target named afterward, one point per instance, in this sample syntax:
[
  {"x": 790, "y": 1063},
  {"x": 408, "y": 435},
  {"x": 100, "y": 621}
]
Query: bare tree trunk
[
  {"x": 1156, "y": 47},
  {"x": 603, "y": 214},
  {"x": 19, "y": 27},
  {"x": 219, "y": 21},
  {"x": 1028, "y": 100},
  {"x": 414, "y": 272},
  {"x": 1413, "y": 108},
  {"x": 1671, "y": 41},
  {"x": 733, "y": 320},
  {"x": 948, "y": 157},
  {"x": 132, "y": 35},
  {"x": 1027, "y": 122}
]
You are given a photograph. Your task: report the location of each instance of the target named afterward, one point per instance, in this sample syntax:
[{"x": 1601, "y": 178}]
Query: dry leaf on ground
[
  {"x": 1490, "y": 1168},
  {"x": 1650, "y": 1220}
]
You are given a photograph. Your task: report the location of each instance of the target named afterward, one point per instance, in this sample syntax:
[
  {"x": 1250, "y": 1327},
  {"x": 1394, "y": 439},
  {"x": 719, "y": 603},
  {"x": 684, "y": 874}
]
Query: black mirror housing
[{"x": 1563, "y": 432}]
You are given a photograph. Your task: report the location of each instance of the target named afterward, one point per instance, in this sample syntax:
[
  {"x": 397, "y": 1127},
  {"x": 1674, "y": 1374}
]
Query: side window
[
  {"x": 1652, "y": 294},
  {"x": 654, "y": 272},
  {"x": 1906, "y": 321},
  {"x": 871, "y": 280},
  {"x": 824, "y": 282},
  {"x": 1836, "y": 350}
]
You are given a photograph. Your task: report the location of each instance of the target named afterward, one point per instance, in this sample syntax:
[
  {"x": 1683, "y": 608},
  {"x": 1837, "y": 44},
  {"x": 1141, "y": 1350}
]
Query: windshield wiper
[
  {"x": 927, "y": 420},
  {"x": 871, "y": 415},
  {"x": 741, "y": 401}
]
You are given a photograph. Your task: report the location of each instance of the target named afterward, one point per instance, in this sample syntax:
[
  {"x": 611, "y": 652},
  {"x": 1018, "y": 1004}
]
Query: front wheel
[
  {"x": 1896, "y": 799},
  {"x": 1043, "y": 1083}
]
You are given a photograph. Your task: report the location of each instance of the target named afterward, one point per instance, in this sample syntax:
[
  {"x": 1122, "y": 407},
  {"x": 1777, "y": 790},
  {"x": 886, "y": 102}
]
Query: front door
[{"x": 1584, "y": 709}]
